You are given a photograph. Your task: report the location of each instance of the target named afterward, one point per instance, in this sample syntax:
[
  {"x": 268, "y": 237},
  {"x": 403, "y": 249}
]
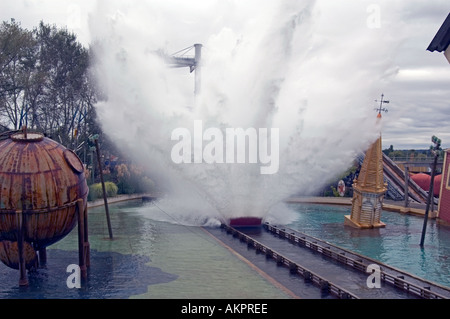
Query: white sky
[{"x": 419, "y": 94}]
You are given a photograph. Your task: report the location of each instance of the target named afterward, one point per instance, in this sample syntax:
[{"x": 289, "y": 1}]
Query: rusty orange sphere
[{"x": 41, "y": 180}]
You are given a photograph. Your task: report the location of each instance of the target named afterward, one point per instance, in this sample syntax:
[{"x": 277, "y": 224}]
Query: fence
[
  {"x": 398, "y": 281},
  {"x": 308, "y": 275}
]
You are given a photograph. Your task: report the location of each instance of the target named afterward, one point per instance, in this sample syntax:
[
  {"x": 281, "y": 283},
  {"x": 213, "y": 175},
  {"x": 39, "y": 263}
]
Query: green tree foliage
[
  {"x": 96, "y": 190},
  {"x": 18, "y": 50},
  {"x": 132, "y": 179},
  {"x": 410, "y": 155},
  {"x": 46, "y": 83}
]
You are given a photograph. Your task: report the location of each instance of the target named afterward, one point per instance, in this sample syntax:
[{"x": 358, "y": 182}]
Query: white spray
[{"x": 265, "y": 64}]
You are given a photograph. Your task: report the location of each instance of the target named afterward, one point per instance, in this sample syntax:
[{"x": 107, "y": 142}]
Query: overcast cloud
[{"x": 418, "y": 87}]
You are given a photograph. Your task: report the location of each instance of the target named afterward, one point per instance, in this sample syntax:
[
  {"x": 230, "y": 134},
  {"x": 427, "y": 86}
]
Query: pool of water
[
  {"x": 397, "y": 244},
  {"x": 148, "y": 258},
  {"x": 145, "y": 259}
]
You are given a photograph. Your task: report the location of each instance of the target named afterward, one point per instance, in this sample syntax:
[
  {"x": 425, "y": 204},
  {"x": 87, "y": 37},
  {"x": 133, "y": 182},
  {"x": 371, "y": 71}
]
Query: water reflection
[{"x": 112, "y": 275}]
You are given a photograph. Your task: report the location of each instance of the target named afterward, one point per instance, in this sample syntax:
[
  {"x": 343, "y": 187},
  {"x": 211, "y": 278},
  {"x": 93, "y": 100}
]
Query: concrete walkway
[
  {"x": 119, "y": 198},
  {"x": 389, "y": 205}
]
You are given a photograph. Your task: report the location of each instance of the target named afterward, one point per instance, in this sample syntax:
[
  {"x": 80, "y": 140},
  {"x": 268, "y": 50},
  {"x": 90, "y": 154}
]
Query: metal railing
[
  {"x": 356, "y": 263},
  {"x": 308, "y": 275},
  {"x": 420, "y": 160}
]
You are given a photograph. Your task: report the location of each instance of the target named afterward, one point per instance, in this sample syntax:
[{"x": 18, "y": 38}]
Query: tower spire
[{"x": 369, "y": 188}]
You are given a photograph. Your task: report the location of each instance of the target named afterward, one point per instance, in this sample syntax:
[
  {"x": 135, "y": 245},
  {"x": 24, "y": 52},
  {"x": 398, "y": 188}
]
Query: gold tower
[{"x": 369, "y": 190}]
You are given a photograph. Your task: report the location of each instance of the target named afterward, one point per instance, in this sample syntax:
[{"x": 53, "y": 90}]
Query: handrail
[
  {"x": 420, "y": 160},
  {"x": 397, "y": 281},
  {"x": 308, "y": 275},
  {"x": 415, "y": 190}
]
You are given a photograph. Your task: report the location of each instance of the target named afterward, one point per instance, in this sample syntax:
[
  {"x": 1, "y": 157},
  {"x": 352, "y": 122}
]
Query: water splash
[{"x": 266, "y": 64}]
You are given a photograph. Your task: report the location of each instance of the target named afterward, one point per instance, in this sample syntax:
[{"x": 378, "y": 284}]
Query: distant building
[
  {"x": 441, "y": 43},
  {"x": 441, "y": 40},
  {"x": 444, "y": 195}
]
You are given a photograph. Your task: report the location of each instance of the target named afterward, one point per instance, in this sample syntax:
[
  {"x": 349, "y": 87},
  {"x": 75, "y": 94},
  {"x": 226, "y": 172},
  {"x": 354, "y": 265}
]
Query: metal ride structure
[
  {"x": 181, "y": 59},
  {"x": 43, "y": 196}
]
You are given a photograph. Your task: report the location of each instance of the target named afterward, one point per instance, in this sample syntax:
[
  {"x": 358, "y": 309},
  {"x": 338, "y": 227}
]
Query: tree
[
  {"x": 46, "y": 83},
  {"x": 388, "y": 150},
  {"x": 17, "y": 64},
  {"x": 68, "y": 94},
  {"x": 396, "y": 154}
]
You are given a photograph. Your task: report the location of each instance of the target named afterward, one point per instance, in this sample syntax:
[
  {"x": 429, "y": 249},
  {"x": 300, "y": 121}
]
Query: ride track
[
  {"x": 338, "y": 273},
  {"x": 396, "y": 182}
]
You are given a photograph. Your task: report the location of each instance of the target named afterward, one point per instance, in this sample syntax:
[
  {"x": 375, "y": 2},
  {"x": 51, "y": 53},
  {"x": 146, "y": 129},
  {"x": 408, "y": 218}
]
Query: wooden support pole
[
  {"x": 406, "y": 186},
  {"x": 42, "y": 256},
  {"x": 23, "y": 280},
  {"x": 87, "y": 248},
  {"x": 81, "y": 238},
  {"x": 429, "y": 199},
  {"x": 103, "y": 188}
]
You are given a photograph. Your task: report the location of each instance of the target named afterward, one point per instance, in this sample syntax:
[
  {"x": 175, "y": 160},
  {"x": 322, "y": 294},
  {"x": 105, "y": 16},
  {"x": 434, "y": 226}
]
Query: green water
[
  {"x": 202, "y": 267},
  {"x": 397, "y": 244}
]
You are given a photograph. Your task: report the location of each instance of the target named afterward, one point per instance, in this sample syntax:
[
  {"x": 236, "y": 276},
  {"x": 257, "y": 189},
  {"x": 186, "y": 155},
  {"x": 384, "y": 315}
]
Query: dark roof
[{"x": 442, "y": 38}]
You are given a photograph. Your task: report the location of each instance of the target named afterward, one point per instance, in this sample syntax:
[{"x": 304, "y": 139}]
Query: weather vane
[{"x": 381, "y": 108}]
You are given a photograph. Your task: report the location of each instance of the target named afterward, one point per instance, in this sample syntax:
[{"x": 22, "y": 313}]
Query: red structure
[
  {"x": 423, "y": 180},
  {"x": 246, "y": 222},
  {"x": 444, "y": 195}
]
